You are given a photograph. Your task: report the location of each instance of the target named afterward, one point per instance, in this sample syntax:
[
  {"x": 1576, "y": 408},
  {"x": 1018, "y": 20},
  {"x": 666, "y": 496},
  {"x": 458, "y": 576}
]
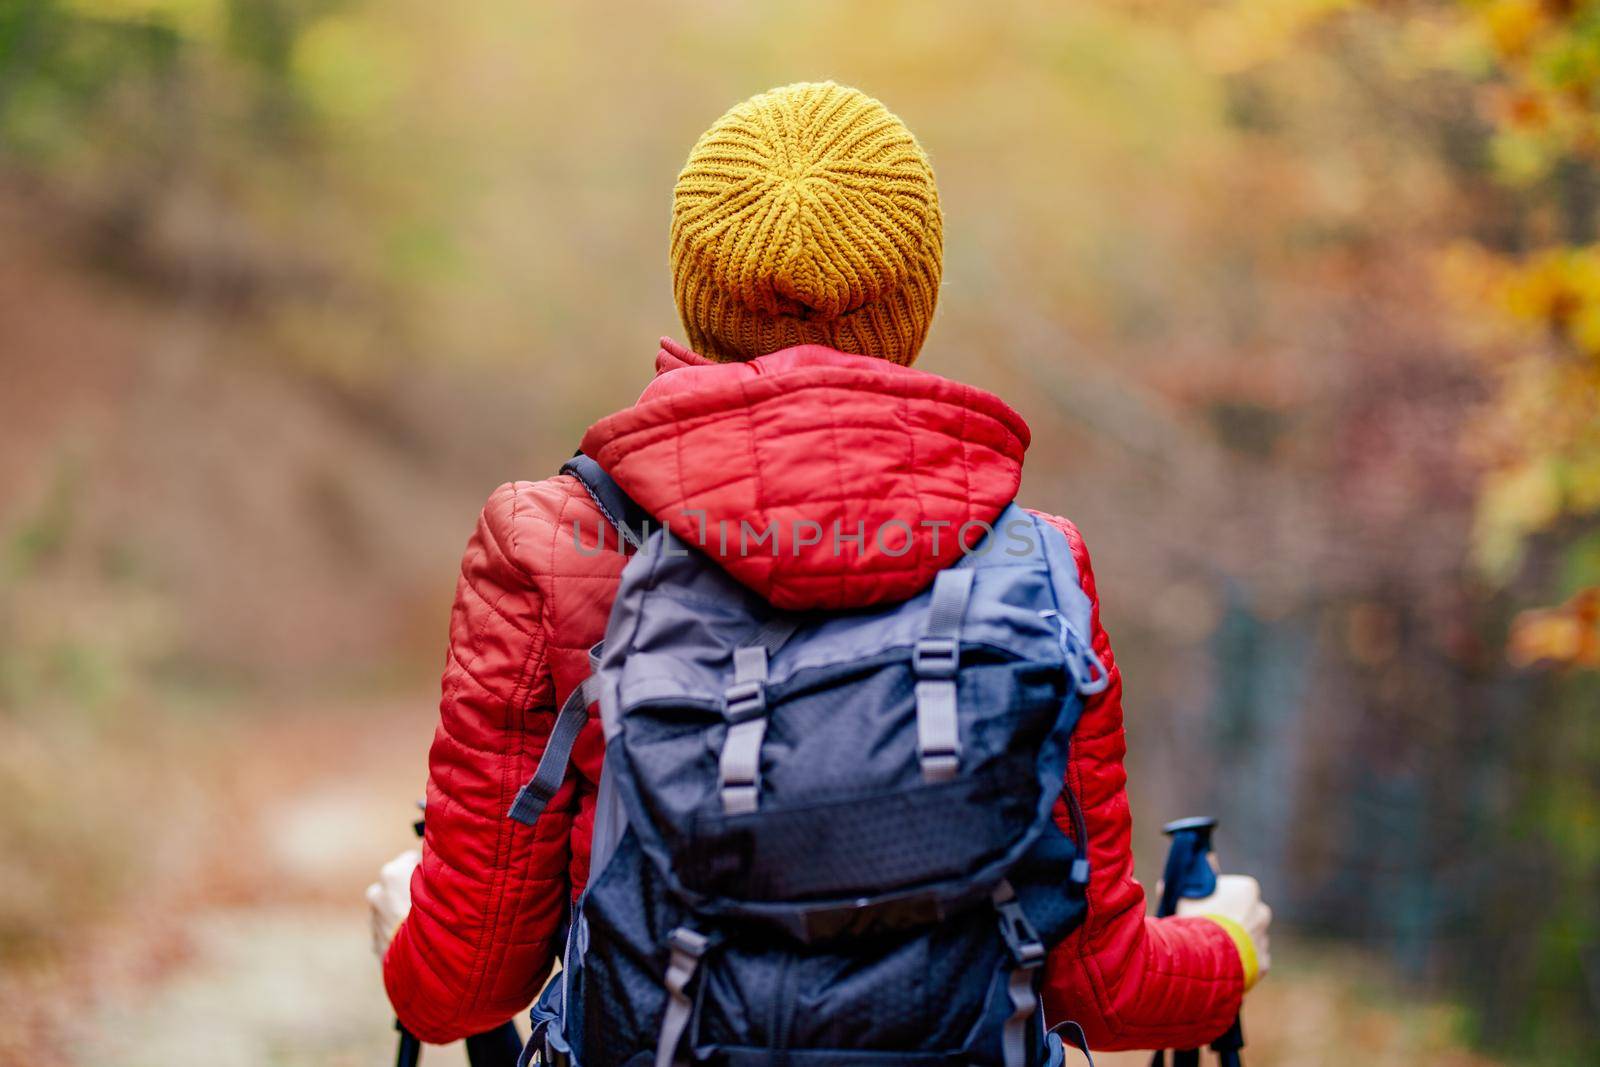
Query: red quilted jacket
[{"x": 803, "y": 434}]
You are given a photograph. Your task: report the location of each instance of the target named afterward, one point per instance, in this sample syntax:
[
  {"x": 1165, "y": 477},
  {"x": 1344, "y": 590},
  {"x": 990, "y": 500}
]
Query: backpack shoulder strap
[
  {"x": 539, "y": 790},
  {"x": 631, "y": 521}
]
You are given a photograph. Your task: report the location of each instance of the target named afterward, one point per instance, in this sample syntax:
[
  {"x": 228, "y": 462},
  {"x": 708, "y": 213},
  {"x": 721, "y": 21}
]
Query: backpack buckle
[
  {"x": 687, "y": 946},
  {"x": 743, "y": 701},
  {"x": 691, "y": 943},
  {"x": 1022, "y": 940},
  {"x": 939, "y": 764},
  {"x": 935, "y": 657}
]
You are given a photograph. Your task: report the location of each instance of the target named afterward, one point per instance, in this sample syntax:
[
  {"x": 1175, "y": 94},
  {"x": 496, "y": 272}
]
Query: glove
[
  {"x": 389, "y": 898},
  {"x": 1236, "y": 906}
]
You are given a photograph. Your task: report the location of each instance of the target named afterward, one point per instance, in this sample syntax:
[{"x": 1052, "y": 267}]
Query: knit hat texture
[{"x": 807, "y": 214}]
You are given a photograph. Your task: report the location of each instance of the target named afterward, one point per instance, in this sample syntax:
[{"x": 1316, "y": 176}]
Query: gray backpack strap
[
  {"x": 1027, "y": 956},
  {"x": 686, "y": 946},
  {"x": 934, "y": 660},
  {"x": 547, "y": 777},
  {"x": 745, "y": 708}
]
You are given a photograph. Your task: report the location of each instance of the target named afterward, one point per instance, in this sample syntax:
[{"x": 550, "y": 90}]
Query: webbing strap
[
  {"x": 533, "y": 796},
  {"x": 745, "y": 708},
  {"x": 934, "y": 659},
  {"x": 1027, "y": 953},
  {"x": 1024, "y": 1001},
  {"x": 630, "y": 520},
  {"x": 687, "y": 946},
  {"x": 1070, "y": 1033},
  {"x": 775, "y": 634}
]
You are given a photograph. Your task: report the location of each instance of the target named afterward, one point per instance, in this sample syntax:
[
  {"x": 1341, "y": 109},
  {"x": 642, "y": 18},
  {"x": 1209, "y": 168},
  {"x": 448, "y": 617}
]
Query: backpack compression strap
[
  {"x": 685, "y": 947},
  {"x": 1027, "y": 956},
  {"x": 744, "y": 705},
  {"x": 934, "y": 659},
  {"x": 630, "y": 520}
]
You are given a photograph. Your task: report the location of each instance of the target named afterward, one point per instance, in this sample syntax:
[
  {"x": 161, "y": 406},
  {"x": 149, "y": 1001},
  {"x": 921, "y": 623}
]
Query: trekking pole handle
[{"x": 1189, "y": 875}]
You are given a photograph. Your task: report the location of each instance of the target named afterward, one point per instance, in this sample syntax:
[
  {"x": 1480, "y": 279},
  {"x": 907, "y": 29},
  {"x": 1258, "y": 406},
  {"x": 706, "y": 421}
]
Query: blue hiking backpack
[{"x": 823, "y": 839}]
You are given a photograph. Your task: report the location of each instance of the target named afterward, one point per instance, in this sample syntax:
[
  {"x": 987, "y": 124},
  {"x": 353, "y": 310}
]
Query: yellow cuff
[{"x": 1246, "y": 947}]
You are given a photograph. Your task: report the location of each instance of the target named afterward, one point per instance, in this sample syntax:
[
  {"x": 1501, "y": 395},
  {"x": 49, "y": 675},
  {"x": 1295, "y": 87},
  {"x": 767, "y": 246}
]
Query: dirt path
[
  {"x": 263, "y": 987},
  {"x": 274, "y": 967}
]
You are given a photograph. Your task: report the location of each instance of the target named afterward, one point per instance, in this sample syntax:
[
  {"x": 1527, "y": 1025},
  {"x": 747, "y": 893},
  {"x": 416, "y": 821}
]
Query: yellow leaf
[
  {"x": 1568, "y": 635},
  {"x": 1512, "y": 26},
  {"x": 1514, "y": 503}
]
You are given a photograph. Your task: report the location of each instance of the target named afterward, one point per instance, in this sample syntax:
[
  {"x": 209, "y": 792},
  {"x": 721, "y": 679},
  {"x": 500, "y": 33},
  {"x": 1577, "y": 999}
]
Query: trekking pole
[
  {"x": 1189, "y": 875},
  {"x": 496, "y": 1048},
  {"x": 410, "y": 1050},
  {"x": 500, "y": 1047}
]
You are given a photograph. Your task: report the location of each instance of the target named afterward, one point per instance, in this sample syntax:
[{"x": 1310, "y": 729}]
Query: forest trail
[{"x": 275, "y": 961}]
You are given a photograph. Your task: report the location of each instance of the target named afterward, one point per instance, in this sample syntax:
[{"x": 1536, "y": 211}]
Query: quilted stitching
[{"x": 808, "y": 436}]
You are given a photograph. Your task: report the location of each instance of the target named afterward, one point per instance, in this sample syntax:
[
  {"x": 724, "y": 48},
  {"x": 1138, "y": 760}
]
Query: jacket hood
[{"x": 819, "y": 479}]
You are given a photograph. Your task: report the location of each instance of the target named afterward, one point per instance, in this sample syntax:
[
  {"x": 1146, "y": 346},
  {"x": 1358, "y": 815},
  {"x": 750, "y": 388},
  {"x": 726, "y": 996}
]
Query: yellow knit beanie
[{"x": 807, "y": 214}]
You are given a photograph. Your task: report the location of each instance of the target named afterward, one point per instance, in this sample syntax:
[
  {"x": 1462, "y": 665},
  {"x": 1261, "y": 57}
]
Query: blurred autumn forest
[{"x": 1301, "y": 298}]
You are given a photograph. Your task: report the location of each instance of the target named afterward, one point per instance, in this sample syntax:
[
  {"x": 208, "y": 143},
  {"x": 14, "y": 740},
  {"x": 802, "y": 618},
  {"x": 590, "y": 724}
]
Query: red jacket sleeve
[
  {"x": 1129, "y": 980},
  {"x": 489, "y": 895}
]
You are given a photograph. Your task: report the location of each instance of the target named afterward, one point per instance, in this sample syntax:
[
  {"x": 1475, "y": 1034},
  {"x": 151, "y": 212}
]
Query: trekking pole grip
[{"x": 1188, "y": 875}]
